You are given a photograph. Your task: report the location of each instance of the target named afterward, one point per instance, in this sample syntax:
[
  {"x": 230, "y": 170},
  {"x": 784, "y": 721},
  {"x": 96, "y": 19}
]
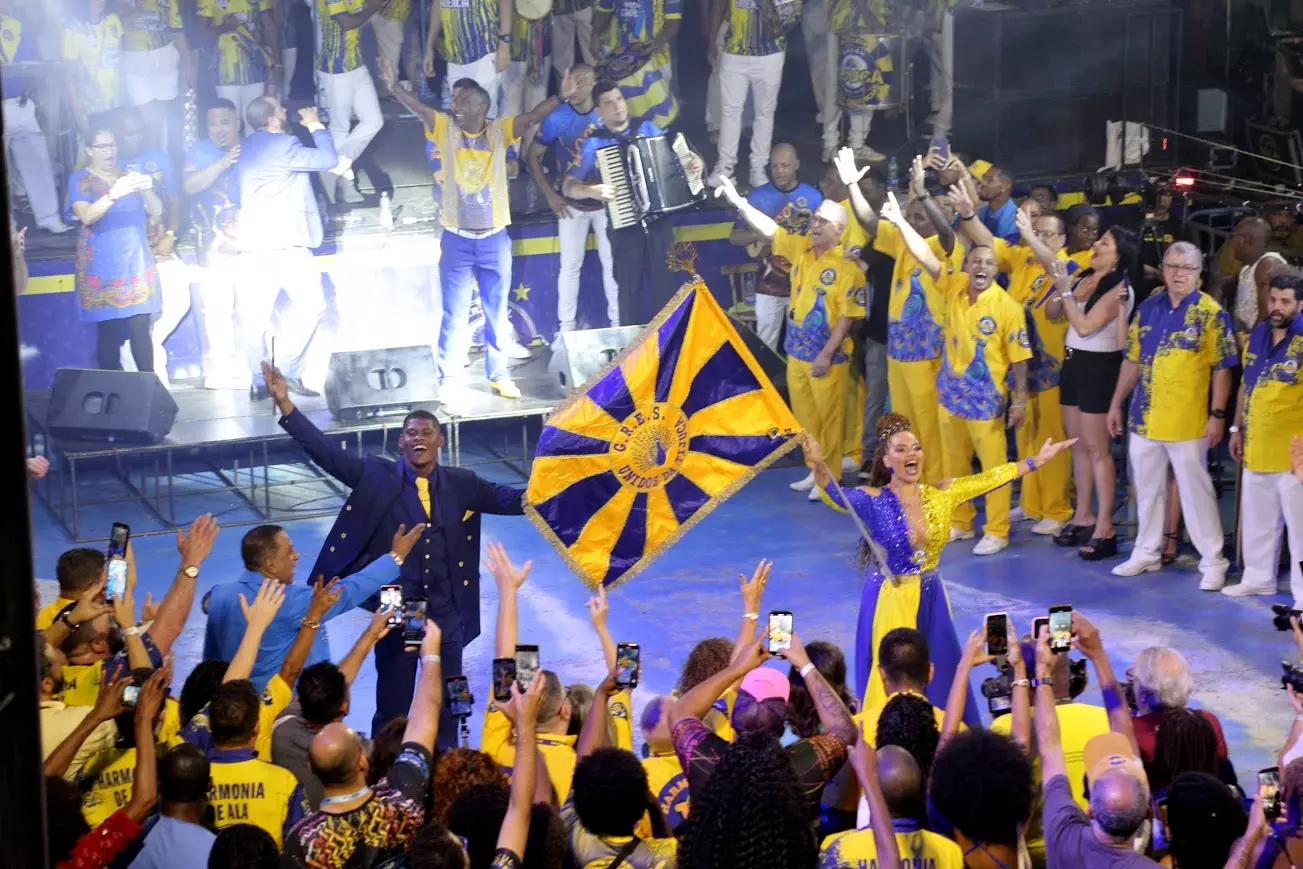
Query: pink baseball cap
[{"x": 766, "y": 683}]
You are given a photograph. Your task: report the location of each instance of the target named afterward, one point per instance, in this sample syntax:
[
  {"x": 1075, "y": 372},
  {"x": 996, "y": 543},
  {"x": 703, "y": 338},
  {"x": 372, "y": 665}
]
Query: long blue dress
[{"x": 116, "y": 276}]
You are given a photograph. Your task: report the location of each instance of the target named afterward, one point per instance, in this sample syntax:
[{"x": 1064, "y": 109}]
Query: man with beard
[
  {"x": 443, "y": 568},
  {"x": 1268, "y": 410}
]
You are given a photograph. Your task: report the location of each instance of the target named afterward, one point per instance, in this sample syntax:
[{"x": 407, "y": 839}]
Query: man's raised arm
[{"x": 343, "y": 466}]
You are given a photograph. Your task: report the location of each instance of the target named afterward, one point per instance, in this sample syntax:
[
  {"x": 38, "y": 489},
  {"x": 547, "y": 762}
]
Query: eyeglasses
[
  {"x": 103, "y": 146},
  {"x": 1047, "y": 233},
  {"x": 1181, "y": 268}
]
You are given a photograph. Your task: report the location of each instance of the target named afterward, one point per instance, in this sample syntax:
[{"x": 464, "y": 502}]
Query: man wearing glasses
[{"x": 1181, "y": 343}]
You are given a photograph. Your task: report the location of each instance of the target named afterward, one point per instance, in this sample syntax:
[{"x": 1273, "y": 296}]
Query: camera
[
  {"x": 1293, "y": 676},
  {"x": 1280, "y": 616},
  {"x": 998, "y": 691}
]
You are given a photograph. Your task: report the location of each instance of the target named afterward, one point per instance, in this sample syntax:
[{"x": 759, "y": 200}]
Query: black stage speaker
[
  {"x": 110, "y": 405},
  {"x": 366, "y": 383},
  {"x": 577, "y": 356},
  {"x": 774, "y": 366}
]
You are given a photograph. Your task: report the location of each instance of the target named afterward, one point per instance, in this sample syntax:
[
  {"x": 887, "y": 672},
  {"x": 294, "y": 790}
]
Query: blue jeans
[{"x": 486, "y": 261}]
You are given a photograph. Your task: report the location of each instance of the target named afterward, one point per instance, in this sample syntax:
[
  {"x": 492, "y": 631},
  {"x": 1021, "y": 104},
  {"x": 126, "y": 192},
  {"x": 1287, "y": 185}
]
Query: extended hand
[
  {"x": 277, "y": 387},
  {"x": 960, "y": 199},
  {"x": 890, "y": 210},
  {"x": 729, "y": 192},
  {"x": 1086, "y": 638},
  {"x": 507, "y": 575},
  {"x": 1023, "y": 222},
  {"x": 404, "y": 540},
  {"x": 917, "y": 180},
  {"x": 844, "y": 160},
  {"x": 557, "y": 203},
  {"x": 753, "y": 589},
  {"x": 324, "y": 596},
  {"x": 308, "y": 116},
  {"x": 1017, "y": 415},
  {"x": 568, "y": 86},
  {"x": 1050, "y": 449},
  {"x": 90, "y": 604},
  {"x": 266, "y": 603},
  {"x": 973, "y": 651},
  {"x": 598, "y": 608},
  {"x": 195, "y": 544},
  {"x": 387, "y": 73}
]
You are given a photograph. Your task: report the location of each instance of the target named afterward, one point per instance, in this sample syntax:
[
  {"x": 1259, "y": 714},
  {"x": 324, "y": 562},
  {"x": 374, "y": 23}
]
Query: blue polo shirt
[
  {"x": 170, "y": 843},
  {"x": 1000, "y": 221}
]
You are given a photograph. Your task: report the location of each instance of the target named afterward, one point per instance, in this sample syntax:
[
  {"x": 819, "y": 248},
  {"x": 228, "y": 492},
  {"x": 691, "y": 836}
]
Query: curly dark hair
[
  {"x": 750, "y": 814},
  {"x": 1204, "y": 819},
  {"x": 457, "y": 770},
  {"x": 982, "y": 783},
  {"x": 610, "y": 792},
  {"x": 909, "y": 721},
  {"x": 1184, "y": 741},
  {"x": 435, "y": 847},
  {"x": 243, "y": 846},
  {"x": 200, "y": 686},
  {"x": 802, "y": 714},
  {"x": 548, "y": 843},
  {"x": 707, "y": 658}
]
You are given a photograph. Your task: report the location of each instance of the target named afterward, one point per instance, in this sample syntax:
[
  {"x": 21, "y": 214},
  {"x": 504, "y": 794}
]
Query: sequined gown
[{"x": 916, "y": 598}]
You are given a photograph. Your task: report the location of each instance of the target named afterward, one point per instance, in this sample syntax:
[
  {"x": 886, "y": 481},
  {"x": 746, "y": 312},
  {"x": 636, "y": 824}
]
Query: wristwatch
[
  {"x": 1235, "y": 429},
  {"x": 1217, "y": 413},
  {"x": 504, "y": 37},
  {"x": 192, "y": 571}
]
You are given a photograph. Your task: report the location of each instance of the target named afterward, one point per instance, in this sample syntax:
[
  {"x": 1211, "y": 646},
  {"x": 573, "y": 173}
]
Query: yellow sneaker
[{"x": 505, "y": 388}]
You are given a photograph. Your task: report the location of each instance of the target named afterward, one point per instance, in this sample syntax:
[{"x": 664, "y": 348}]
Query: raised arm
[
  {"x": 1089, "y": 643},
  {"x": 753, "y": 592},
  {"x": 174, "y": 609},
  {"x": 1102, "y": 315},
  {"x": 257, "y": 616},
  {"x": 864, "y": 760},
  {"x": 108, "y": 706},
  {"x": 597, "y": 612},
  {"x": 323, "y": 598},
  {"x": 364, "y": 584},
  {"x": 423, "y": 717},
  {"x": 958, "y": 698},
  {"x": 697, "y": 702},
  {"x": 762, "y": 223},
  {"x": 322, "y": 157},
  {"x": 850, "y": 176},
  {"x": 594, "y": 734},
  {"x": 941, "y": 223},
  {"x": 1048, "y": 742},
  {"x": 833, "y": 714},
  {"x": 509, "y": 579},
  {"x": 969, "y": 226},
  {"x": 340, "y": 464},
  {"x": 914, "y": 243},
  {"x": 409, "y": 100},
  {"x": 521, "y": 124},
  {"x": 375, "y": 631},
  {"x": 144, "y": 783},
  {"x": 514, "y": 831}
]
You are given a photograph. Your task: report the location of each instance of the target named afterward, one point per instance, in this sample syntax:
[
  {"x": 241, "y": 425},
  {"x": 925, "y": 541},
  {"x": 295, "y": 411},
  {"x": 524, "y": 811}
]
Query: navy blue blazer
[{"x": 381, "y": 499}]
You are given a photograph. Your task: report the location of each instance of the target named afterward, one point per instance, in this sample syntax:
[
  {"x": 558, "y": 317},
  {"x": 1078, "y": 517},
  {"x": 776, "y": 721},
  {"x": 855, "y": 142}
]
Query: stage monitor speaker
[
  {"x": 577, "y": 356},
  {"x": 774, "y": 366},
  {"x": 361, "y": 384},
  {"x": 110, "y": 405}
]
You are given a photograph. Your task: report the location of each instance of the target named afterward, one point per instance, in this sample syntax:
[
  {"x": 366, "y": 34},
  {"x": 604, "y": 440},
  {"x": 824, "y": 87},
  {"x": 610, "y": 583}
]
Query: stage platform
[{"x": 225, "y": 444}]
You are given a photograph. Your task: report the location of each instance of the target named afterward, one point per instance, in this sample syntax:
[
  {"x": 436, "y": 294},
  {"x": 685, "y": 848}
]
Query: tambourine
[{"x": 533, "y": 10}]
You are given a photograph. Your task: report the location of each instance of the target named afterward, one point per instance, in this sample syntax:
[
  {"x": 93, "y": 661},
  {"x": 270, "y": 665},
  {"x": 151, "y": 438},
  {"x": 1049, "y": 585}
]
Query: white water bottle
[{"x": 386, "y": 211}]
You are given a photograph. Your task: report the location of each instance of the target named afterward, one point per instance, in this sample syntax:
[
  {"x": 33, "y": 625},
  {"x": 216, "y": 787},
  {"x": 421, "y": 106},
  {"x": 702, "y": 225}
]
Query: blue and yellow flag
[{"x": 679, "y": 422}]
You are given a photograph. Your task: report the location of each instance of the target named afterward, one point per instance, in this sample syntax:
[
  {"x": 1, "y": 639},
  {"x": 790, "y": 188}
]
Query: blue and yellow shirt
[
  {"x": 246, "y": 790},
  {"x": 340, "y": 50},
  {"x": 584, "y": 168},
  {"x": 561, "y": 133},
  {"x": 396, "y": 10},
  {"x": 477, "y": 198},
  {"x": 241, "y": 55},
  {"x": 1273, "y": 397},
  {"x": 1031, "y": 287},
  {"x": 917, "y": 307},
  {"x": 1175, "y": 348},
  {"x": 469, "y": 29},
  {"x": 984, "y": 339},
  {"x": 824, "y": 289},
  {"x": 917, "y": 847},
  {"x": 216, "y": 205},
  {"x": 637, "y": 22},
  {"x": 152, "y": 25},
  {"x": 14, "y": 48},
  {"x": 95, "y": 50},
  {"x": 747, "y": 34},
  {"x": 668, "y": 785},
  {"x": 850, "y": 16},
  {"x": 275, "y": 697}
]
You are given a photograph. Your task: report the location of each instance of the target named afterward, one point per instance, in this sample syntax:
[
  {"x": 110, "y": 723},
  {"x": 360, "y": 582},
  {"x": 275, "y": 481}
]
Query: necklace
[{"x": 346, "y": 798}]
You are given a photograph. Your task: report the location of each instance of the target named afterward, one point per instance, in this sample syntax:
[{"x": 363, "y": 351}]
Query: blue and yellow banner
[{"x": 650, "y": 445}]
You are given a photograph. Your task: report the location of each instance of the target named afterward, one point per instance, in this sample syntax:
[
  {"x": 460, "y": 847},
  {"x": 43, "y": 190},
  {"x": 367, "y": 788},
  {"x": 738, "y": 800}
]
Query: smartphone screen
[
  {"x": 1060, "y": 628},
  {"x": 117, "y": 585},
  {"x": 391, "y": 601},
  {"x": 130, "y": 694},
  {"x": 118, "y": 538},
  {"x": 504, "y": 673},
  {"x": 941, "y": 145},
  {"x": 997, "y": 634},
  {"x": 457, "y": 690},
  {"x": 526, "y": 666},
  {"x": 413, "y": 622},
  {"x": 780, "y": 631},
  {"x": 628, "y": 663},
  {"x": 1269, "y": 792}
]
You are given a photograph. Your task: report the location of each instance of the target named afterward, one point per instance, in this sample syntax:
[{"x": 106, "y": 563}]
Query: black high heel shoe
[
  {"x": 1073, "y": 535},
  {"x": 1099, "y": 549},
  {"x": 1170, "y": 557}
]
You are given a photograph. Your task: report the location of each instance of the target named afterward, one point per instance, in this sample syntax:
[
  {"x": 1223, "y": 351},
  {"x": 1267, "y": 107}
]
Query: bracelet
[
  {"x": 134, "y": 631},
  {"x": 807, "y": 668},
  {"x": 63, "y": 617},
  {"x": 752, "y": 616},
  {"x": 431, "y": 659},
  {"x": 309, "y": 623},
  {"x": 398, "y": 559},
  {"x": 1031, "y": 464},
  {"x": 968, "y": 216},
  {"x": 1021, "y": 683}
]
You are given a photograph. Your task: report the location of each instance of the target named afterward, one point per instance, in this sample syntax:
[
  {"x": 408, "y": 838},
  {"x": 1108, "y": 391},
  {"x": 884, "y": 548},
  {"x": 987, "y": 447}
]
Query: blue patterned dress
[{"x": 116, "y": 277}]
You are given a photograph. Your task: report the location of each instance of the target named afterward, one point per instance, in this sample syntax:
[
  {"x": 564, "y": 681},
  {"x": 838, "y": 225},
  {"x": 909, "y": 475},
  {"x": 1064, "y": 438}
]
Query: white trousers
[
  {"x": 485, "y": 72},
  {"x": 289, "y": 59},
  {"x": 519, "y": 95},
  {"x": 859, "y": 119},
  {"x": 27, "y": 153},
  {"x": 262, "y": 275},
  {"x": 223, "y": 363},
  {"x": 770, "y": 313},
  {"x": 348, "y": 95},
  {"x": 174, "y": 280},
  {"x": 1149, "y": 462},
  {"x": 241, "y": 95},
  {"x": 942, "y": 51},
  {"x": 714, "y": 101},
  {"x": 762, "y": 76},
  {"x": 572, "y": 234},
  {"x": 814, "y": 30},
  {"x": 1268, "y": 501},
  {"x": 564, "y": 30}
]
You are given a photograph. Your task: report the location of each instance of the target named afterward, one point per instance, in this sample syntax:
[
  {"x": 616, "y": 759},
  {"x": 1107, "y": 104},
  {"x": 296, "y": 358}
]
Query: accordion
[{"x": 648, "y": 177}]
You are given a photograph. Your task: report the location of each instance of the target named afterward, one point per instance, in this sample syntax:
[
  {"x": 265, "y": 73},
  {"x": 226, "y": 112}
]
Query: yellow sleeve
[
  {"x": 336, "y": 7},
  {"x": 495, "y": 739},
  {"x": 275, "y": 698},
  {"x": 49, "y": 612},
  {"x": 788, "y": 245},
  {"x": 1133, "y": 342},
  {"x": 888, "y": 240},
  {"x": 508, "y": 128},
  {"x": 963, "y": 489},
  {"x": 1017, "y": 343},
  {"x": 620, "y": 707},
  {"x": 1004, "y": 255}
]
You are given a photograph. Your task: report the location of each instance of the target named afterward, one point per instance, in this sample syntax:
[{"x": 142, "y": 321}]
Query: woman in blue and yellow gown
[{"x": 909, "y": 523}]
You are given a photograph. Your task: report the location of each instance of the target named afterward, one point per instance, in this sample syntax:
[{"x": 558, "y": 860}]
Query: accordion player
[{"x": 648, "y": 177}]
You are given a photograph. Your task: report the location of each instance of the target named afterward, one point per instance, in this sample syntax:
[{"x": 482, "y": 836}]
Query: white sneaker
[
  {"x": 1047, "y": 526},
  {"x": 1214, "y": 581},
  {"x": 959, "y": 534},
  {"x": 515, "y": 350},
  {"x": 1017, "y": 515},
  {"x": 814, "y": 495},
  {"x": 1134, "y": 567},
  {"x": 990, "y": 544},
  {"x": 849, "y": 464},
  {"x": 804, "y": 484},
  {"x": 1243, "y": 589},
  {"x": 865, "y": 154},
  {"x": 55, "y": 226}
]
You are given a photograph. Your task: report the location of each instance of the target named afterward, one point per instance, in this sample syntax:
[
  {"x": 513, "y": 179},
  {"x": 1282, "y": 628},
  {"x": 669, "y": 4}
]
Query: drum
[{"x": 870, "y": 70}]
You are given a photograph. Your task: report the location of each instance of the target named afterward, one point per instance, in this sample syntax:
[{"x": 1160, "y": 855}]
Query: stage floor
[{"x": 691, "y": 593}]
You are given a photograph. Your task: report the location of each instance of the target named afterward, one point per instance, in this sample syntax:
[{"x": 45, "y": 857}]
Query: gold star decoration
[
  {"x": 682, "y": 257},
  {"x": 521, "y": 292}
]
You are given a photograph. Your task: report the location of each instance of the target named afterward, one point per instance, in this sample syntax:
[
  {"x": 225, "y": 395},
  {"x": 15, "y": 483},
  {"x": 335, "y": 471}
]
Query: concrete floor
[{"x": 691, "y": 593}]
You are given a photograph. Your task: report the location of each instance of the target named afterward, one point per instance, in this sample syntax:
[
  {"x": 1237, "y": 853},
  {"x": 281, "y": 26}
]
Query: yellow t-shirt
[
  {"x": 47, "y": 613},
  {"x": 620, "y": 709},
  {"x": 918, "y": 848},
  {"x": 106, "y": 781},
  {"x": 854, "y": 236},
  {"x": 868, "y": 719},
  {"x": 1273, "y": 398},
  {"x": 747, "y": 34},
  {"x": 1032, "y": 287},
  {"x": 720, "y": 717},
  {"x": 95, "y": 49},
  {"x": 916, "y": 310},
  {"x": 241, "y": 58},
  {"x": 340, "y": 50},
  {"x": 81, "y": 684},
  {"x": 1176, "y": 350},
  {"x": 668, "y": 785},
  {"x": 274, "y": 698},
  {"x": 479, "y": 189},
  {"x": 250, "y": 791},
  {"x": 824, "y": 289},
  {"x": 558, "y": 750},
  {"x": 152, "y": 24},
  {"x": 983, "y": 340}
]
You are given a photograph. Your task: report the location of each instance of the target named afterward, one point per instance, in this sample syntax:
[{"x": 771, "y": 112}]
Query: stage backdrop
[{"x": 381, "y": 291}]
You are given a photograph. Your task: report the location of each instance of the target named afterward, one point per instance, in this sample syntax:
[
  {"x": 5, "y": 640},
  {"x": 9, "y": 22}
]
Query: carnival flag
[{"x": 650, "y": 445}]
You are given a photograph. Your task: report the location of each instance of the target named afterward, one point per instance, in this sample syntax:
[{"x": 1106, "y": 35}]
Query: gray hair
[
  {"x": 260, "y": 112},
  {"x": 1119, "y": 804},
  {"x": 1162, "y": 678},
  {"x": 1185, "y": 248}
]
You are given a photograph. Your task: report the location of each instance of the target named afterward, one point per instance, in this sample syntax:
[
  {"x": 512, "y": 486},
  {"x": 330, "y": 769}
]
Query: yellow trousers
[
  {"x": 852, "y": 442},
  {"x": 962, "y": 438},
  {"x": 913, "y": 390},
  {"x": 819, "y": 405},
  {"x": 1045, "y": 493}
]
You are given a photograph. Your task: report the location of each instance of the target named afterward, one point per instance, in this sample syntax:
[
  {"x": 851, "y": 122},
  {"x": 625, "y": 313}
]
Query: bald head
[
  {"x": 783, "y": 164},
  {"x": 901, "y": 781},
  {"x": 337, "y": 758},
  {"x": 1119, "y": 804},
  {"x": 1251, "y": 237}
]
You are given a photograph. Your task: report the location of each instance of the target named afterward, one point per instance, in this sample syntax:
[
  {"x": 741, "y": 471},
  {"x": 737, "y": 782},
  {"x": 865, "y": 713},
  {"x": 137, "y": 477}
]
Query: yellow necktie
[{"x": 423, "y": 492}]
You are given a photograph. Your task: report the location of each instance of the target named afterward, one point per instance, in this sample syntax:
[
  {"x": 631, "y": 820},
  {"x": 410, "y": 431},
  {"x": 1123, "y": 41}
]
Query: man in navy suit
[
  {"x": 443, "y": 567},
  {"x": 279, "y": 225}
]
